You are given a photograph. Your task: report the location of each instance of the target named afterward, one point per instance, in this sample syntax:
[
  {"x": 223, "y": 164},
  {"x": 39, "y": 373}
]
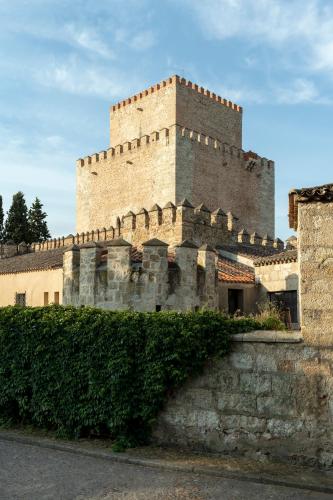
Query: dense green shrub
[{"x": 90, "y": 371}]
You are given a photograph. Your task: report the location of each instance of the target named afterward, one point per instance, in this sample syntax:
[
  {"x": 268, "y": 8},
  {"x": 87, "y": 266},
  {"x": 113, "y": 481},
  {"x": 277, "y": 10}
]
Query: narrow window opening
[
  {"x": 46, "y": 298},
  {"x": 20, "y": 299},
  {"x": 56, "y": 297},
  {"x": 158, "y": 308}
]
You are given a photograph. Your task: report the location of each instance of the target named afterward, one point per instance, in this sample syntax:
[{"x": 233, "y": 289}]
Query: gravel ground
[{"x": 33, "y": 473}]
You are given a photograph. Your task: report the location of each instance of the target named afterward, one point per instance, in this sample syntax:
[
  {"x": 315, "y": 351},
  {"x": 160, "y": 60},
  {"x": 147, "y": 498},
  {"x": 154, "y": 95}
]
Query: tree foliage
[
  {"x": 21, "y": 224},
  {"x": 16, "y": 226},
  {"x": 91, "y": 371},
  {"x": 38, "y": 230},
  {"x": 1, "y": 221}
]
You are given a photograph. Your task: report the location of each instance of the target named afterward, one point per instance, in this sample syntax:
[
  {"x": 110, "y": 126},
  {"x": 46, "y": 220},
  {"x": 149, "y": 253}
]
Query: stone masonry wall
[
  {"x": 128, "y": 177},
  {"x": 220, "y": 175},
  {"x": 172, "y": 141},
  {"x": 156, "y": 282},
  {"x": 169, "y": 166},
  {"x": 264, "y": 400},
  {"x": 315, "y": 226},
  {"x": 150, "y": 110},
  {"x": 171, "y": 101}
]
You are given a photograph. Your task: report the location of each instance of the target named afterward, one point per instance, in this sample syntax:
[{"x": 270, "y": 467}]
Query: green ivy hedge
[{"x": 90, "y": 371}]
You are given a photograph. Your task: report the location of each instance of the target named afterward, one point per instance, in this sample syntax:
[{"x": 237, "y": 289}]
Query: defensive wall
[
  {"x": 172, "y": 224},
  {"x": 117, "y": 278},
  {"x": 169, "y": 165}
]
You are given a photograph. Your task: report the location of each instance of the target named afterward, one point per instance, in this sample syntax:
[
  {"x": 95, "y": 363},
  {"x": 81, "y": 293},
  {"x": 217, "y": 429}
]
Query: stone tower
[{"x": 172, "y": 141}]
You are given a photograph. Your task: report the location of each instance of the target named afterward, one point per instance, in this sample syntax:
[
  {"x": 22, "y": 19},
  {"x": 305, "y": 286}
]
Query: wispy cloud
[
  {"x": 143, "y": 40},
  {"x": 299, "y": 91},
  {"x": 80, "y": 78},
  {"x": 304, "y": 26},
  {"x": 88, "y": 39}
]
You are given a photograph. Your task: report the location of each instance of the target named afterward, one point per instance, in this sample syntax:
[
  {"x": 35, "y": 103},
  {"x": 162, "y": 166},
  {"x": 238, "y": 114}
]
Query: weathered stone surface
[
  {"x": 200, "y": 160},
  {"x": 256, "y": 407}
]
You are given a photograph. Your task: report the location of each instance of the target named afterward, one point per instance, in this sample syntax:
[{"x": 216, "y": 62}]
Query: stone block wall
[
  {"x": 174, "y": 141},
  {"x": 278, "y": 277},
  {"x": 264, "y": 401},
  {"x": 128, "y": 177},
  {"x": 218, "y": 174},
  {"x": 176, "y": 100},
  {"x": 183, "y": 280},
  {"x": 315, "y": 226}
]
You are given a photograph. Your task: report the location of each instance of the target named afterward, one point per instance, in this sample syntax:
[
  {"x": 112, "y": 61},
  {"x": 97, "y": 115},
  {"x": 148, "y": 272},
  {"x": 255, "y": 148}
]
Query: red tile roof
[
  {"x": 280, "y": 258},
  {"x": 230, "y": 271}
]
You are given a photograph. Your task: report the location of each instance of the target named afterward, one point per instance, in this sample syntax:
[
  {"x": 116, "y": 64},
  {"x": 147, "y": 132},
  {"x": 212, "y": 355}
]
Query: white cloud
[
  {"x": 298, "y": 92},
  {"x": 294, "y": 25},
  {"x": 82, "y": 79},
  {"x": 89, "y": 40},
  {"x": 143, "y": 40},
  {"x": 239, "y": 95}
]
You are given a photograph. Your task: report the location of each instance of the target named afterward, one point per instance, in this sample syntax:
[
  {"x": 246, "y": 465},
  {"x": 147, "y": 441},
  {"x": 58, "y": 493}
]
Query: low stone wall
[{"x": 271, "y": 398}]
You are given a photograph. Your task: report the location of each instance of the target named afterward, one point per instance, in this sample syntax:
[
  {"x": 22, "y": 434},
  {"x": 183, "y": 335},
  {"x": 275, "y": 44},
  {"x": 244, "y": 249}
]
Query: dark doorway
[
  {"x": 235, "y": 300},
  {"x": 287, "y": 304}
]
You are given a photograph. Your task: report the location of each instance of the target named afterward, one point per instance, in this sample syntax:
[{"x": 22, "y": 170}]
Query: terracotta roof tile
[
  {"x": 250, "y": 251},
  {"x": 279, "y": 258},
  {"x": 230, "y": 271},
  {"x": 39, "y": 261},
  {"x": 322, "y": 193}
]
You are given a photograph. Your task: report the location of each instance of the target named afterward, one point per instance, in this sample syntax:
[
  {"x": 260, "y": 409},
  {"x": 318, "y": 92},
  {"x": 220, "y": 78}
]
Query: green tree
[
  {"x": 16, "y": 226},
  {"x": 37, "y": 223},
  {"x": 1, "y": 220}
]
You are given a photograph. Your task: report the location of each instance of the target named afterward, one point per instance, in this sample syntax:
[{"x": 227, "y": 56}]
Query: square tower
[{"x": 172, "y": 141}]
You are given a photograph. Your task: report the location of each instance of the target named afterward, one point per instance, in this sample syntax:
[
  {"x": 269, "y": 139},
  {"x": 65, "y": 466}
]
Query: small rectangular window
[
  {"x": 158, "y": 308},
  {"x": 46, "y": 298},
  {"x": 20, "y": 299},
  {"x": 56, "y": 297}
]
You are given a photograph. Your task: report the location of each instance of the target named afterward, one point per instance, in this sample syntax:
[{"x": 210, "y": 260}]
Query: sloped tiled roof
[
  {"x": 322, "y": 193},
  {"x": 279, "y": 258},
  {"x": 249, "y": 251},
  {"x": 230, "y": 271},
  {"x": 39, "y": 261}
]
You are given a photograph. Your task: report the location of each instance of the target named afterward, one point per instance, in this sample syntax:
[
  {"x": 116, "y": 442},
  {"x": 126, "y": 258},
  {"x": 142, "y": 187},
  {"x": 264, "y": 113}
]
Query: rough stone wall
[
  {"x": 172, "y": 101},
  {"x": 278, "y": 277},
  {"x": 220, "y": 175},
  {"x": 174, "y": 141},
  {"x": 128, "y": 177},
  {"x": 117, "y": 283},
  {"x": 315, "y": 226},
  {"x": 199, "y": 111},
  {"x": 262, "y": 401}
]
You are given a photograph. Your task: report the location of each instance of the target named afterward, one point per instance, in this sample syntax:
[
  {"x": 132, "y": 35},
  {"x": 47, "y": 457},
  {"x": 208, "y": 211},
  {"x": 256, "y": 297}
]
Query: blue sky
[{"x": 63, "y": 62}]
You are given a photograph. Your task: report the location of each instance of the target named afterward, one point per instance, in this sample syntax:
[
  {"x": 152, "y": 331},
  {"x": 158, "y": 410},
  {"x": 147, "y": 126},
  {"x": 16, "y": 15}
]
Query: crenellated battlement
[
  {"x": 250, "y": 158},
  {"x": 171, "y": 223},
  {"x": 113, "y": 277},
  {"x": 128, "y": 146},
  {"x": 172, "y": 141},
  {"x": 174, "y": 80}
]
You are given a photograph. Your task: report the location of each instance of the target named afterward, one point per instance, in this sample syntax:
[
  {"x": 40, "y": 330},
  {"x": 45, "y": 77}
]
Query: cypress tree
[
  {"x": 16, "y": 226},
  {"x": 1, "y": 220},
  {"x": 37, "y": 223}
]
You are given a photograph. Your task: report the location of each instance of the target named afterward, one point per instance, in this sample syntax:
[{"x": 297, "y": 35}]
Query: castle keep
[
  {"x": 171, "y": 142},
  {"x": 173, "y": 215}
]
